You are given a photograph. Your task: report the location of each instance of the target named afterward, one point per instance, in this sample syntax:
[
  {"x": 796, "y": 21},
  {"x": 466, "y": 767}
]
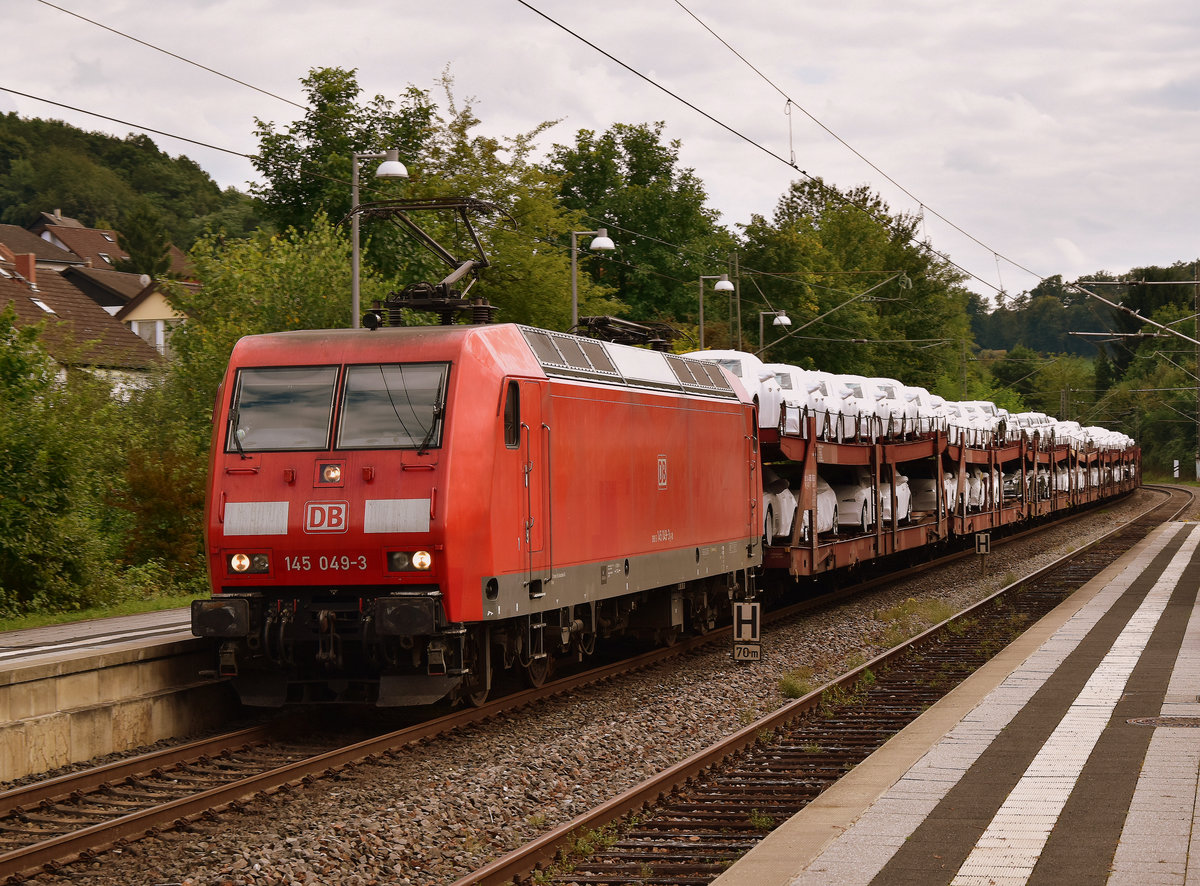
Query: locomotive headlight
[
  {"x": 409, "y": 561},
  {"x": 249, "y": 564},
  {"x": 331, "y": 473}
]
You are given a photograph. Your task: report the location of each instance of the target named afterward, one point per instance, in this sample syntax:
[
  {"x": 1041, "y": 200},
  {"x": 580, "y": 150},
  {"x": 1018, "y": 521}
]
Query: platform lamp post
[
  {"x": 781, "y": 319},
  {"x": 600, "y": 243},
  {"x": 391, "y": 167},
  {"x": 722, "y": 285}
]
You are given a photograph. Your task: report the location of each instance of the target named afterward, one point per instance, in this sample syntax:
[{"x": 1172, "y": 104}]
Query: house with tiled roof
[
  {"x": 77, "y": 332},
  {"x": 92, "y": 254},
  {"x": 96, "y": 246},
  {"x": 46, "y": 219},
  {"x": 112, "y": 290},
  {"x": 152, "y": 317},
  {"x": 22, "y": 242}
]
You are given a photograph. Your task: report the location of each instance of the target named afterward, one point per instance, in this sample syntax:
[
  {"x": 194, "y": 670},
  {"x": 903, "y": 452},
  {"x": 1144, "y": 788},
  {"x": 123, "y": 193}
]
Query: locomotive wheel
[
  {"x": 538, "y": 671},
  {"x": 475, "y": 687}
]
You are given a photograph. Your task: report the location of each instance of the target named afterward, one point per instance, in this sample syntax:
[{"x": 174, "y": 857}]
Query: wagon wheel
[{"x": 538, "y": 671}]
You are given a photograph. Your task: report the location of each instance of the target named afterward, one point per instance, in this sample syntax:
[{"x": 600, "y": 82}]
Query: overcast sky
[{"x": 1062, "y": 136}]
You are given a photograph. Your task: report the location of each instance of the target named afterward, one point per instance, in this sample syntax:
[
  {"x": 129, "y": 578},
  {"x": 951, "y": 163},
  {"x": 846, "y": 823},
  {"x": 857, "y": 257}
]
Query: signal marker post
[
  {"x": 746, "y": 627},
  {"x": 983, "y": 547}
]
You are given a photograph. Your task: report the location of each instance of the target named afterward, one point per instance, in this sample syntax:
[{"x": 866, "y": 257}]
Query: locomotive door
[
  {"x": 535, "y": 509},
  {"x": 755, "y": 516}
]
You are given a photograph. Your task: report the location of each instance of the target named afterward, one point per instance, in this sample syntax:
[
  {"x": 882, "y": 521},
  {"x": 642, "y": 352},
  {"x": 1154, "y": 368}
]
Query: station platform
[
  {"x": 73, "y": 692},
  {"x": 1073, "y": 757}
]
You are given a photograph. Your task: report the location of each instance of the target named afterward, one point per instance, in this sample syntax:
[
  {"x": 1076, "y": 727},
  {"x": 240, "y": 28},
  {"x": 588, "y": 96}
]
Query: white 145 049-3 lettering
[{"x": 331, "y": 563}]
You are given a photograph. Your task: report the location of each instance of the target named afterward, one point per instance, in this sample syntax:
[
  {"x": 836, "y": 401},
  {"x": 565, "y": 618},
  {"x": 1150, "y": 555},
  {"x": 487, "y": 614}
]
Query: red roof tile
[
  {"x": 78, "y": 332},
  {"x": 98, "y": 246}
]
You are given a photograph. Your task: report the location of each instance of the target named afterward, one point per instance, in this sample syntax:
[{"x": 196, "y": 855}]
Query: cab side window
[{"x": 512, "y": 416}]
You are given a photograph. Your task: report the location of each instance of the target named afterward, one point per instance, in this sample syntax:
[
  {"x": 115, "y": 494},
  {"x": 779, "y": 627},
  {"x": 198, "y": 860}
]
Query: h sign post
[
  {"x": 983, "y": 547},
  {"x": 746, "y": 631}
]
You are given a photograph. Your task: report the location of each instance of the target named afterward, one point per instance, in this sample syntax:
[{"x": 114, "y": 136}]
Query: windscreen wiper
[{"x": 437, "y": 414}]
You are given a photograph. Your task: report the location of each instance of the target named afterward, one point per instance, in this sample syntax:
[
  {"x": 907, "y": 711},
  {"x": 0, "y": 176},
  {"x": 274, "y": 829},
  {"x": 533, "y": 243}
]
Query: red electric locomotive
[{"x": 394, "y": 514}]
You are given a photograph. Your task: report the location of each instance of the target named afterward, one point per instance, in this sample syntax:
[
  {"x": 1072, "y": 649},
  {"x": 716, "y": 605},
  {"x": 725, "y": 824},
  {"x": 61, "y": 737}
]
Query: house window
[
  {"x": 156, "y": 333},
  {"x": 41, "y": 304}
]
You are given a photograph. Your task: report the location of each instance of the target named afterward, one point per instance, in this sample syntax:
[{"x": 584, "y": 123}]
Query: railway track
[
  {"x": 687, "y": 825},
  {"x": 47, "y": 825}
]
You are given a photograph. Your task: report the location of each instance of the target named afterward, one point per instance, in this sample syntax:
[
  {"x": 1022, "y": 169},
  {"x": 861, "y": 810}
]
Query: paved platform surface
[
  {"x": 83, "y": 639},
  {"x": 1071, "y": 758}
]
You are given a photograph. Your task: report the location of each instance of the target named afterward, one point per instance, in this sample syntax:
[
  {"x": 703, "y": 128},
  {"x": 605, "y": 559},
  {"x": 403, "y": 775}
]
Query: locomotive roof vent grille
[
  {"x": 566, "y": 355},
  {"x": 698, "y": 375},
  {"x": 562, "y": 354}
]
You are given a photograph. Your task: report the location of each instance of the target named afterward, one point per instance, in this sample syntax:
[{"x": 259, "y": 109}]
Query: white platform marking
[{"x": 1013, "y": 842}]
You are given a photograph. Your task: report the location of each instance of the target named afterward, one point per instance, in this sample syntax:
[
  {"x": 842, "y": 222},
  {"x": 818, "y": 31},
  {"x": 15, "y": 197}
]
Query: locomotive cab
[{"x": 324, "y": 552}]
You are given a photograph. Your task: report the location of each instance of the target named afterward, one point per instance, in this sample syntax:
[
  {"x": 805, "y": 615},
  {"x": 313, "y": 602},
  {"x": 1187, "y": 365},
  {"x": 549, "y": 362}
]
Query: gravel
[{"x": 437, "y": 811}]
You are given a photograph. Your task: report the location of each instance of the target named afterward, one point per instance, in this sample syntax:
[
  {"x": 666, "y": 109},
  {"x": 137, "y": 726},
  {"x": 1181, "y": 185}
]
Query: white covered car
[
  {"x": 924, "y": 492},
  {"x": 826, "y": 510},
  {"x": 821, "y": 394},
  {"x": 930, "y": 409},
  {"x": 780, "y": 505},
  {"x": 902, "y": 412},
  {"x": 873, "y": 413},
  {"x": 856, "y": 500}
]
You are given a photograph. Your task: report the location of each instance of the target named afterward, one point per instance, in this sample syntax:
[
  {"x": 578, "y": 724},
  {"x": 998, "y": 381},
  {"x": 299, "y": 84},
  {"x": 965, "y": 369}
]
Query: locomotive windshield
[
  {"x": 393, "y": 406},
  {"x": 281, "y": 409},
  {"x": 388, "y": 406}
]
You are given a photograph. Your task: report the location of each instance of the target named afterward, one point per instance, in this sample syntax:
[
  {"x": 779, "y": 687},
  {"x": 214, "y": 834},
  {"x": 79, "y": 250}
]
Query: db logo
[
  {"x": 325, "y": 516},
  {"x": 662, "y": 472}
]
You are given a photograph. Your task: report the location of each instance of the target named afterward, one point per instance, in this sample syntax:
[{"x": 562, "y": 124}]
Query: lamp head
[
  {"x": 391, "y": 167},
  {"x": 723, "y": 285},
  {"x": 781, "y": 319},
  {"x": 601, "y": 242}
]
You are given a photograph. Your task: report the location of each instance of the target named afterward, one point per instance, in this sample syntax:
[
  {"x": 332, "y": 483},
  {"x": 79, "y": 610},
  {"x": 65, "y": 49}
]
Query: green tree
[
  {"x": 58, "y": 456},
  {"x": 144, "y": 237},
  {"x": 1064, "y": 387},
  {"x": 863, "y": 295},
  {"x": 1017, "y": 369},
  {"x": 631, "y": 181},
  {"x": 307, "y": 167},
  {"x": 528, "y": 279},
  {"x": 91, "y": 176}
]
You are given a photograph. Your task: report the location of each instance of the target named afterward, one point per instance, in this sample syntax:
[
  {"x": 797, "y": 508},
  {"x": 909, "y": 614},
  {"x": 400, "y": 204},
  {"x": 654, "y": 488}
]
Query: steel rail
[
  {"x": 523, "y": 861},
  {"x": 64, "y": 786}
]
